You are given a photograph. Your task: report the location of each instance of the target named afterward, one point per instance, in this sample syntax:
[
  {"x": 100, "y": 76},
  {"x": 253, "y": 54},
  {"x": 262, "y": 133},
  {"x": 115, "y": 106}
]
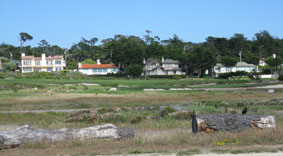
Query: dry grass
[
  {"x": 72, "y": 100},
  {"x": 153, "y": 140},
  {"x": 151, "y": 135}
]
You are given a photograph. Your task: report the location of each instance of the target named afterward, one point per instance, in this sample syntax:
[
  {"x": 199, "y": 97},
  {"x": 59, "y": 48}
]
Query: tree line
[{"x": 129, "y": 51}]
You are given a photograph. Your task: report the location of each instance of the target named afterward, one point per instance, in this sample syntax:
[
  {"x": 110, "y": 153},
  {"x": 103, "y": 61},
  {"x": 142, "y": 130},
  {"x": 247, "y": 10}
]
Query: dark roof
[
  {"x": 170, "y": 61},
  {"x": 151, "y": 61},
  {"x": 244, "y": 64},
  {"x": 174, "y": 68}
]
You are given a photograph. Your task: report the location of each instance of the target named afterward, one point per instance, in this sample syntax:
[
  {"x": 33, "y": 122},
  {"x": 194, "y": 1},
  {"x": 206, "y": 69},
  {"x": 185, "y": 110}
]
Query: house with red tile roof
[
  {"x": 1, "y": 68},
  {"x": 42, "y": 64},
  {"x": 97, "y": 69}
]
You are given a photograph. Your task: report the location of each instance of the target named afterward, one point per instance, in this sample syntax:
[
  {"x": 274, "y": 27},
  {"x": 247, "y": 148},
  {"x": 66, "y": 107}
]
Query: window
[
  {"x": 27, "y": 69},
  {"x": 27, "y": 62},
  {"x": 114, "y": 69},
  {"x": 49, "y": 62},
  {"x": 99, "y": 70},
  {"x": 57, "y": 62},
  {"x": 38, "y": 69},
  {"x": 37, "y": 62},
  {"x": 58, "y": 69},
  {"x": 49, "y": 69},
  {"x": 94, "y": 70},
  {"x": 105, "y": 70}
]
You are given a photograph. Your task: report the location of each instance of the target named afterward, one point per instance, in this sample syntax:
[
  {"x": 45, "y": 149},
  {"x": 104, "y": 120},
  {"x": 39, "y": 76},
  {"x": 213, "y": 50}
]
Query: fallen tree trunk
[
  {"x": 24, "y": 134},
  {"x": 232, "y": 122}
]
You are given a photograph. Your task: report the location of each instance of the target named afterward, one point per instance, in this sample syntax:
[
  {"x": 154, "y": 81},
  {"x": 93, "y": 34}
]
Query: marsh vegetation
[{"x": 150, "y": 113}]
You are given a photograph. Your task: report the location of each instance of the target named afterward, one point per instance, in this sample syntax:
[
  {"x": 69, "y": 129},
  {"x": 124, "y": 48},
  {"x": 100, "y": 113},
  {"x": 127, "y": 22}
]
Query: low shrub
[
  {"x": 184, "y": 115},
  {"x": 176, "y": 77},
  {"x": 166, "y": 76},
  {"x": 167, "y": 111},
  {"x": 136, "y": 120}
]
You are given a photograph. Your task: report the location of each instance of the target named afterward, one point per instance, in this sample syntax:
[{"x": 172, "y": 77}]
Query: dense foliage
[{"x": 195, "y": 58}]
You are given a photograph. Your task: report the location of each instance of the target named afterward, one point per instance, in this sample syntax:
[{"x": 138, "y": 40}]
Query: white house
[
  {"x": 165, "y": 67},
  {"x": 262, "y": 60},
  {"x": 42, "y": 64},
  {"x": 240, "y": 66},
  {"x": 1, "y": 68},
  {"x": 97, "y": 69}
]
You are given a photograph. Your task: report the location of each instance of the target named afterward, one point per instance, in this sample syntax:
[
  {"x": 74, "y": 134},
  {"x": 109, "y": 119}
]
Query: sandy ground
[
  {"x": 209, "y": 154},
  {"x": 272, "y": 86},
  {"x": 44, "y": 111},
  {"x": 246, "y": 154}
]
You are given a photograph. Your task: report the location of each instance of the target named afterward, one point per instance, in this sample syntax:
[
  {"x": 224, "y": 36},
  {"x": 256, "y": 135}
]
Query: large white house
[
  {"x": 97, "y": 69},
  {"x": 165, "y": 67},
  {"x": 42, "y": 64},
  {"x": 1, "y": 68},
  {"x": 240, "y": 66}
]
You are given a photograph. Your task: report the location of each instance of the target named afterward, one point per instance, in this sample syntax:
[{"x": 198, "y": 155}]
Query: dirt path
[
  {"x": 44, "y": 111},
  {"x": 208, "y": 154},
  {"x": 245, "y": 154}
]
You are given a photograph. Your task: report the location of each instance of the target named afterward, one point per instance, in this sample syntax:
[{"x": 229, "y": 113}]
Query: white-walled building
[
  {"x": 165, "y": 67},
  {"x": 42, "y": 64},
  {"x": 1, "y": 68},
  {"x": 97, "y": 69},
  {"x": 240, "y": 66},
  {"x": 262, "y": 60}
]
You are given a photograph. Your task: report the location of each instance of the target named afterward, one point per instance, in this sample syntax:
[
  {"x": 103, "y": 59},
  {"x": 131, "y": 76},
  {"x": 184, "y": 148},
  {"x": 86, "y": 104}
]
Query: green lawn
[{"x": 124, "y": 86}]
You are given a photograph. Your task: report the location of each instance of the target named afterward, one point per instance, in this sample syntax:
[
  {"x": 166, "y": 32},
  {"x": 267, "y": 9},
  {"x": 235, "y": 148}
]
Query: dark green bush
[
  {"x": 280, "y": 78},
  {"x": 176, "y": 77}
]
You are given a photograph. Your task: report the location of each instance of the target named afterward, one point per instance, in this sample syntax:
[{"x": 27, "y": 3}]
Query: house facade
[
  {"x": 165, "y": 67},
  {"x": 240, "y": 66},
  {"x": 1, "y": 68},
  {"x": 97, "y": 69},
  {"x": 42, "y": 64}
]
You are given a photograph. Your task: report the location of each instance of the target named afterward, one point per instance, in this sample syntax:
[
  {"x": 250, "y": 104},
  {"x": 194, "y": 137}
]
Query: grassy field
[{"x": 129, "y": 106}]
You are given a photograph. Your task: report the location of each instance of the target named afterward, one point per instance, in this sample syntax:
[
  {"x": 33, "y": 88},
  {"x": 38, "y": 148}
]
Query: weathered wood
[
  {"x": 26, "y": 134},
  {"x": 232, "y": 122}
]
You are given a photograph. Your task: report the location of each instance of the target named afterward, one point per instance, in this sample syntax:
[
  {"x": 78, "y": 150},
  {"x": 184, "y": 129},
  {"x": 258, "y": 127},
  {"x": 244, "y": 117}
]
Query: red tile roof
[
  {"x": 27, "y": 57},
  {"x": 58, "y": 56},
  {"x": 87, "y": 66},
  {"x": 37, "y": 58},
  {"x": 49, "y": 58}
]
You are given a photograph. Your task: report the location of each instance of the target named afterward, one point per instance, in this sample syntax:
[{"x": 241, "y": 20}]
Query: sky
[{"x": 64, "y": 22}]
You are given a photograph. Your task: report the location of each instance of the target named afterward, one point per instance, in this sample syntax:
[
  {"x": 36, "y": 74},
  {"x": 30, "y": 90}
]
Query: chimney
[
  {"x": 23, "y": 54},
  {"x": 274, "y": 56},
  {"x": 98, "y": 61},
  {"x": 79, "y": 65},
  {"x": 43, "y": 56},
  {"x": 162, "y": 60},
  {"x": 144, "y": 61}
]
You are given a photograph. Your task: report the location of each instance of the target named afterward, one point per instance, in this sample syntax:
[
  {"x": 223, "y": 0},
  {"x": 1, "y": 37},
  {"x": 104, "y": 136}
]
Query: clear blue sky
[{"x": 64, "y": 22}]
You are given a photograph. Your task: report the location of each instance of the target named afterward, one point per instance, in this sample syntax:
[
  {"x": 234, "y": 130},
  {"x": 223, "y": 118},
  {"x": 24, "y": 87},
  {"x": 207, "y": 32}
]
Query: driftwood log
[
  {"x": 232, "y": 122},
  {"x": 24, "y": 134}
]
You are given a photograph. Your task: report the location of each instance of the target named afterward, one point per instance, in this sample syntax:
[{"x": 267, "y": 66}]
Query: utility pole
[
  {"x": 11, "y": 57},
  {"x": 65, "y": 53},
  {"x": 240, "y": 56}
]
